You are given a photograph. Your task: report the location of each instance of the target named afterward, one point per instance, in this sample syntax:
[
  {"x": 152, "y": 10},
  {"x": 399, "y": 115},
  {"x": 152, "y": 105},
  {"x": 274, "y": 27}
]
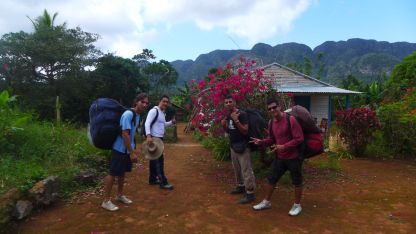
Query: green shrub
[
  {"x": 31, "y": 150},
  {"x": 378, "y": 147},
  {"x": 398, "y": 121},
  {"x": 198, "y": 135},
  {"x": 356, "y": 126},
  {"x": 220, "y": 147}
]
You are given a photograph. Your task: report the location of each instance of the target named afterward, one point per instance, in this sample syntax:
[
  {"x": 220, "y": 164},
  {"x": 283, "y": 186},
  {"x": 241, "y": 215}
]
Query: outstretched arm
[{"x": 170, "y": 123}]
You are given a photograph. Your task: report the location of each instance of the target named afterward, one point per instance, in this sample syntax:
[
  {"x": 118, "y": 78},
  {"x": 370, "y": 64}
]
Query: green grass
[
  {"x": 41, "y": 149},
  {"x": 331, "y": 162}
]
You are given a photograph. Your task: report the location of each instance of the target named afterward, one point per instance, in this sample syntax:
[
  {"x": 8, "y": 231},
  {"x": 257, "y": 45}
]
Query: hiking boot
[
  {"x": 238, "y": 190},
  {"x": 167, "y": 186},
  {"x": 108, "y": 205},
  {"x": 124, "y": 199},
  {"x": 248, "y": 197},
  {"x": 296, "y": 209},
  {"x": 263, "y": 205}
]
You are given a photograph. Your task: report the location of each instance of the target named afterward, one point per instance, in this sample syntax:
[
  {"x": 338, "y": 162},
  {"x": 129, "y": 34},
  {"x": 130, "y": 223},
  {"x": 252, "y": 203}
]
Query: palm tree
[{"x": 45, "y": 21}]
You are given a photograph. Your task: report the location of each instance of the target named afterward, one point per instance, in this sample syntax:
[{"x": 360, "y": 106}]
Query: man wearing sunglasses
[
  {"x": 236, "y": 125},
  {"x": 285, "y": 140}
]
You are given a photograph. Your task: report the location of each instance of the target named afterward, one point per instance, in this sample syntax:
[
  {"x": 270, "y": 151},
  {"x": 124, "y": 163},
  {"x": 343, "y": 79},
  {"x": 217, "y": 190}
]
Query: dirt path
[{"x": 367, "y": 197}]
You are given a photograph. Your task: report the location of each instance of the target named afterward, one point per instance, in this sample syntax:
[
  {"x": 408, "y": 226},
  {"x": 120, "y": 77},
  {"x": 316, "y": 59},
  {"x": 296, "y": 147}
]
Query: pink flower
[
  {"x": 219, "y": 71},
  {"x": 201, "y": 84}
]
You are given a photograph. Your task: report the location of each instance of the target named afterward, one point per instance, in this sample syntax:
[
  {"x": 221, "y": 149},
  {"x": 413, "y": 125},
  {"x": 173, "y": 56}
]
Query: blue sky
[
  {"x": 324, "y": 20},
  {"x": 183, "y": 29}
]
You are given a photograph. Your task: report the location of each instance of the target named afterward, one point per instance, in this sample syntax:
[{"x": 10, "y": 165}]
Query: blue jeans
[{"x": 157, "y": 171}]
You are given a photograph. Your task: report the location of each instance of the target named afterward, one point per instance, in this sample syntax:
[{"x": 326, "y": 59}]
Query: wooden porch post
[{"x": 347, "y": 101}]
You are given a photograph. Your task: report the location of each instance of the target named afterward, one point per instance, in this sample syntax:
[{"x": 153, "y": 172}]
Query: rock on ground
[
  {"x": 7, "y": 204},
  {"x": 87, "y": 177},
  {"x": 45, "y": 192},
  {"x": 23, "y": 209}
]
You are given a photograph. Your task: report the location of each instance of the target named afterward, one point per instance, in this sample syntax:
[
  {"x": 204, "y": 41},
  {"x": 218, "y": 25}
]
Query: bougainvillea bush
[
  {"x": 357, "y": 126},
  {"x": 242, "y": 80}
]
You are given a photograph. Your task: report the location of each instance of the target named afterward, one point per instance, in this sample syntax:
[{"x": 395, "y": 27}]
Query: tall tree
[
  {"x": 351, "y": 83},
  {"x": 321, "y": 65},
  {"x": 402, "y": 79},
  {"x": 117, "y": 78},
  {"x": 161, "y": 75},
  {"x": 38, "y": 61},
  {"x": 307, "y": 66}
]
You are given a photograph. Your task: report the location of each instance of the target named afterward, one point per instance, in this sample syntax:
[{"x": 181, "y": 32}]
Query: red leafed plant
[
  {"x": 242, "y": 80},
  {"x": 357, "y": 126}
]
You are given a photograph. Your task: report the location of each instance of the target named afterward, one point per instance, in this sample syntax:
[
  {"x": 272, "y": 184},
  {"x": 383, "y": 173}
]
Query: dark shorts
[
  {"x": 120, "y": 163},
  {"x": 280, "y": 166}
]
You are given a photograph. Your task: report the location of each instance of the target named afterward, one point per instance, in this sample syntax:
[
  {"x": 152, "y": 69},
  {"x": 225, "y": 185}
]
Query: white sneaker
[
  {"x": 124, "y": 199},
  {"x": 108, "y": 205},
  {"x": 296, "y": 209},
  {"x": 263, "y": 205}
]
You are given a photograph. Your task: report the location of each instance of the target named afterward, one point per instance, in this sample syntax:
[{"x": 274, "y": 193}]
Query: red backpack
[{"x": 313, "y": 141}]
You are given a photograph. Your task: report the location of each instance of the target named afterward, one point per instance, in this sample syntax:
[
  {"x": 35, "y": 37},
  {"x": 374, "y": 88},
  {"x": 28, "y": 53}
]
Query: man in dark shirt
[
  {"x": 285, "y": 140},
  {"x": 236, "y": 125}
]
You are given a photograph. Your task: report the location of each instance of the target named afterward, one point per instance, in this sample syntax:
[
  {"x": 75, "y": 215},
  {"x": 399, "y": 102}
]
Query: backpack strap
[
  {"x": 144, "y": 133},
  {"x": 133, "y": 120},
  {"x": 302, "y": 145},
  {"x": 289, "y": 126},
  {"x": 155, "y": 119}
]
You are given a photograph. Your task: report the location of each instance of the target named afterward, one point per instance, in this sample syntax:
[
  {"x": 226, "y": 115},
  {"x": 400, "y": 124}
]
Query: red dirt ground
[{"x": 365, "y": 197}]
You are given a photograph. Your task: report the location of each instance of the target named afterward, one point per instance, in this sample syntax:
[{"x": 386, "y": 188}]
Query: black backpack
[
  {"x": 257, "y": 125},
  {"x": 104, "y": 126},
  {"x": 143, "y": 129}
]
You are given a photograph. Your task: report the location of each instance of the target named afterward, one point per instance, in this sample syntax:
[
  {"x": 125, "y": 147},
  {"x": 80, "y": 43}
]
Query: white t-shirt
[{"x": 158, "y": 128}]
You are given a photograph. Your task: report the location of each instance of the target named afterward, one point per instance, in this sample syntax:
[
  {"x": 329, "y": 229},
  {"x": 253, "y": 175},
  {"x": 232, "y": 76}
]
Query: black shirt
[{"x": 235, "y": 134}]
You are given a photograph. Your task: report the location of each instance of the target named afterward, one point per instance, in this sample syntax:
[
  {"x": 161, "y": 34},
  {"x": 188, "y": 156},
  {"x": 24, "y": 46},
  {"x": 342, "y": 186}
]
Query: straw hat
[{"x": 154, "y": 150}]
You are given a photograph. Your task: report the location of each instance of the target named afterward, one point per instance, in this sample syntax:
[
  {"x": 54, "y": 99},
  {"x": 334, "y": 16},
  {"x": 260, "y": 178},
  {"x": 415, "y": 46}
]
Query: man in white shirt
[{"x": 155, "y": 127}]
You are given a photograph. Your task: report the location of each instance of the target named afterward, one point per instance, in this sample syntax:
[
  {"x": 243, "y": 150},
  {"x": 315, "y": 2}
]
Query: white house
[{"x": 308, "y": 92}]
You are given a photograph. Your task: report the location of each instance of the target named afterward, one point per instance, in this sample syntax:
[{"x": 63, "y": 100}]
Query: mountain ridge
[{"x": 367, "y": 59}]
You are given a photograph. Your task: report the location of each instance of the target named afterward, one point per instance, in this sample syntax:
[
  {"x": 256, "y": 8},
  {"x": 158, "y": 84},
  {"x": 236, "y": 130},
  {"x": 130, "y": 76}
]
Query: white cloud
[
  {"x": 248, "y": 19},
  {"x": 127, "y": 26}
]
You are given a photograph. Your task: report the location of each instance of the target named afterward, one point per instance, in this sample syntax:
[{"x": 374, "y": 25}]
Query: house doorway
[{"x": 304, "y": 101}]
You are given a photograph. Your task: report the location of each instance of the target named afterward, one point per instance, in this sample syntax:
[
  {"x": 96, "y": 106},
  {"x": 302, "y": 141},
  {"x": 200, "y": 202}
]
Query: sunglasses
[
  {"x": 228, "y": 102},
  {"x": 272, "y": 108}
]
